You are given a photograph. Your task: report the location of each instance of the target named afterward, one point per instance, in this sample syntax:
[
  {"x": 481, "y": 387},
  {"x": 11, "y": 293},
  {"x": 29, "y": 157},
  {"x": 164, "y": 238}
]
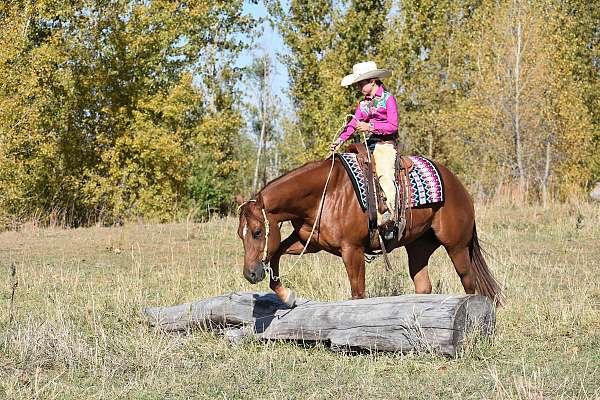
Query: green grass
[{"x": 78, "y": 332}]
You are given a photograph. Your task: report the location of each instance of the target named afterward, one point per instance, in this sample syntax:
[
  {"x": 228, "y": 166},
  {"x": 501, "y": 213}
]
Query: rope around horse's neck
[{"x": 318, "y": 215}]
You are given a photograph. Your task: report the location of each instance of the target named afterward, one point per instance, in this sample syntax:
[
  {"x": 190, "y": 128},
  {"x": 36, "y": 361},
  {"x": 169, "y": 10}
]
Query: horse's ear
[{"x": 239, "y": 199}]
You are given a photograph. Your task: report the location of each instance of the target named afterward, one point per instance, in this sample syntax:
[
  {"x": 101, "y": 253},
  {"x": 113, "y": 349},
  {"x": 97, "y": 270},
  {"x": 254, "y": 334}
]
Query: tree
[
  {"x": 305, "y": 28},
  {"x": 105, "y": 104},
  {"x": 213, "y": 182},
  {"x": 425, "y": 48},
  {"x": 523, "y": 117},
  {"x": 325, "y": 39},
  {"x": 263, "y": 115}
]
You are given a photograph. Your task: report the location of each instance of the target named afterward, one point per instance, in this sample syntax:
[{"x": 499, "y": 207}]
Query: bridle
[{"x": 266, "y": 223}]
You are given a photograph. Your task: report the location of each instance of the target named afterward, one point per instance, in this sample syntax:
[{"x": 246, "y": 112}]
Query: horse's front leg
[
  {"x": 291, "y": 245},
  {"x": 354, "y": 260}
]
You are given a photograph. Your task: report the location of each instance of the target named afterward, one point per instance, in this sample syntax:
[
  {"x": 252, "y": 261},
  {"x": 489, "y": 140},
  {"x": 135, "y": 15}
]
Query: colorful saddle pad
[{"x": 426, "y": 187}]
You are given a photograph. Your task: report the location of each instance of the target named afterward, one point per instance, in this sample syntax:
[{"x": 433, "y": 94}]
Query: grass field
[{"x": 75, "y": 329}]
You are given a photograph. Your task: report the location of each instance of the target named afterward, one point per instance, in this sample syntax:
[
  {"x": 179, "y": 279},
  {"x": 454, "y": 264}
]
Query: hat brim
[{"x": 376, "y": 73}]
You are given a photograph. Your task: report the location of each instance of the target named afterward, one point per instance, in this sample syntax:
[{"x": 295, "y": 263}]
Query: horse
[{"x": 341, "y": 228}]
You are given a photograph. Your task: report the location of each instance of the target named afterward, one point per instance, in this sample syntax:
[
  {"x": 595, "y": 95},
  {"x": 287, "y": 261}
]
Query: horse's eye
[{"x": 256, "y": 234}]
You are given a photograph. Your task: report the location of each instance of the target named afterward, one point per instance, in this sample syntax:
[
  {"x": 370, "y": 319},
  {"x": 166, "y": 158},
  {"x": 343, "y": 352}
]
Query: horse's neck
[{"x": 291, "y": 196}]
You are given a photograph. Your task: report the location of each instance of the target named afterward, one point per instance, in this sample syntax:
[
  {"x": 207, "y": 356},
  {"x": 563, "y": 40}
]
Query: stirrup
[
  {"x": 388, "y": 233},
  {"x": 388, "y": 228}
]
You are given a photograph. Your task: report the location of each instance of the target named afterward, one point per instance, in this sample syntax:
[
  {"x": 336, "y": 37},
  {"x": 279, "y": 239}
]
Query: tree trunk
[
  {"x": 263, "y": 122},
  {"x": 258, "y": 155},
  {"x": 517, "y": 115},
  {"x": 546, "y": 175}
]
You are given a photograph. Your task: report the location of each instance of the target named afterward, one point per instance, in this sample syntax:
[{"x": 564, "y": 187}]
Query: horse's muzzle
[{"x": 256, "y": 273}]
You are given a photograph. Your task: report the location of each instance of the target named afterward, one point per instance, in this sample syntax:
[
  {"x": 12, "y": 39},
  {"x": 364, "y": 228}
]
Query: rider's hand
[
  {"x": 363, "y": 126},
  {"x": 335, "y": 145}
]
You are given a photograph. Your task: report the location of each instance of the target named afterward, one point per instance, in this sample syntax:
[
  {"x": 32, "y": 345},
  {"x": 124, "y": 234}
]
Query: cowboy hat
[{"x": 365, "y": 70}]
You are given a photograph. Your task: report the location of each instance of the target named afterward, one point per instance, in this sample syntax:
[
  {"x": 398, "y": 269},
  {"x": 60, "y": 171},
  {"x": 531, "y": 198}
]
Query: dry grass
[{"x": 77, "y": 330}]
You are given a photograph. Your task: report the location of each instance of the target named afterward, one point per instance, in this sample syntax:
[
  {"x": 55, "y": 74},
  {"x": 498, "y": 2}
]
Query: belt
[{"x": 385, "y": 139}]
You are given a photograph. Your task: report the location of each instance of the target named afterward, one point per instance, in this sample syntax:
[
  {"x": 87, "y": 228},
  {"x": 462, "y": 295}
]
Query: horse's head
[{"x": 259, "y": 237}]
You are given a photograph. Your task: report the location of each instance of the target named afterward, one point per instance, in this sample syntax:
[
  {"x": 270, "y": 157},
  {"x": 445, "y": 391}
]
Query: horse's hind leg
[
  {"x": 462, "y": 264},
  {"x": 419, "y": 252}
]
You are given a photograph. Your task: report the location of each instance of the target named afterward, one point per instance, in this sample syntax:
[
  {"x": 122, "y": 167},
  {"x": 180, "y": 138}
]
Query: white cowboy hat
[{"x": 365, "y": 70}]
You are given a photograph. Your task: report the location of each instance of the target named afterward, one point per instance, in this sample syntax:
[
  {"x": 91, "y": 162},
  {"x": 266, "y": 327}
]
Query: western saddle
[{"x": 390, "y": 234}]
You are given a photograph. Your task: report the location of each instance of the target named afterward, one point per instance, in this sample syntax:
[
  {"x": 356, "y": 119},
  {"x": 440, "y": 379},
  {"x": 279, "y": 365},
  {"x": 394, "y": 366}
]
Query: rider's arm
[
  {"x": 390, "y": 125},
  {"x": 359, "y": 115}
]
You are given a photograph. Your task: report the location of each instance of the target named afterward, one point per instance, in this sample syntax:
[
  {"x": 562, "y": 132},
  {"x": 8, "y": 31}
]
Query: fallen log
[{"x": 432, "y": 323}]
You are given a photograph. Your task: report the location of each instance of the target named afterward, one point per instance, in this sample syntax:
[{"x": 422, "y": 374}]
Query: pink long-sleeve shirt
[{"x": 380, "y": 111}]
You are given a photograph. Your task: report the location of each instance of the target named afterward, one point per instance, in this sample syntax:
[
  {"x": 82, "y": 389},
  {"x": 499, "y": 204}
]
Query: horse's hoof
[{"x": 291, "y": 299}]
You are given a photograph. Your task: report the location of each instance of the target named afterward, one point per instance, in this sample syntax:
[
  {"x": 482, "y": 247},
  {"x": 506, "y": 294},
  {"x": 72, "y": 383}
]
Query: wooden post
[{"x": 433, "y": 323}]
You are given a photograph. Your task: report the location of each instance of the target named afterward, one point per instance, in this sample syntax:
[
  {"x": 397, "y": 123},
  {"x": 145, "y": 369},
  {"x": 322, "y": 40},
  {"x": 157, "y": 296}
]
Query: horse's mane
[
  {"x": 291, "y": 174},
  {"x": 245, "y": 212}
]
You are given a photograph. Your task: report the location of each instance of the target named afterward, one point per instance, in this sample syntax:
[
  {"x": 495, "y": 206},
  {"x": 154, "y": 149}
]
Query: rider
[{"x": 377, "y": 115}]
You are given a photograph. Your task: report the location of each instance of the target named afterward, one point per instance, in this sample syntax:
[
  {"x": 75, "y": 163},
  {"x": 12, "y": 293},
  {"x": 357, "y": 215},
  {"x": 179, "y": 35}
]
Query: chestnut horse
[{"x": 342, "y": 229}]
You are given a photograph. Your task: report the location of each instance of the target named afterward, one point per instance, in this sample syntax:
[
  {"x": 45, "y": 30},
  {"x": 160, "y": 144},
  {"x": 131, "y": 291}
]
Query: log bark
[{"x": 431, "y": 323}]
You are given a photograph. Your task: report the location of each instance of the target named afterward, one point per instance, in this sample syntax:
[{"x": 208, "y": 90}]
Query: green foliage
[
  {"x": 101, "y": 110},
  {"x": 214, "y": 163},
  {"x": 325, "y": 42},
  {"x": 121, "y": 109},
  {"x": 425, "y": 53},
  {"x": 496, "y": 90},
  {"x": 263, "y": 114},
  {"x": 576, "y": 26},
  {"x": 210, "y": 192},
  {"x": 305, "y": 30},
  {"x": 524, "y": 113},
  {"x": 505, "y": 93}
]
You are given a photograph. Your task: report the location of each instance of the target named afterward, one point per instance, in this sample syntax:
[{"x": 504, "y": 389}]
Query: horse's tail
[{"x": 487, "y": 285}]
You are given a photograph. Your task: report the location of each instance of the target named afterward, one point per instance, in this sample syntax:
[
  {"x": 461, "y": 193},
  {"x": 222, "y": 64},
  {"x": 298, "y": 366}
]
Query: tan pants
[{"x": 385, "y": 163}]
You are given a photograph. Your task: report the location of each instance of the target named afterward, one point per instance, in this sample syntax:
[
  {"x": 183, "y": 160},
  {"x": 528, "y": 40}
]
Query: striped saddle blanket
[{"x": 426, "y": 187}]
